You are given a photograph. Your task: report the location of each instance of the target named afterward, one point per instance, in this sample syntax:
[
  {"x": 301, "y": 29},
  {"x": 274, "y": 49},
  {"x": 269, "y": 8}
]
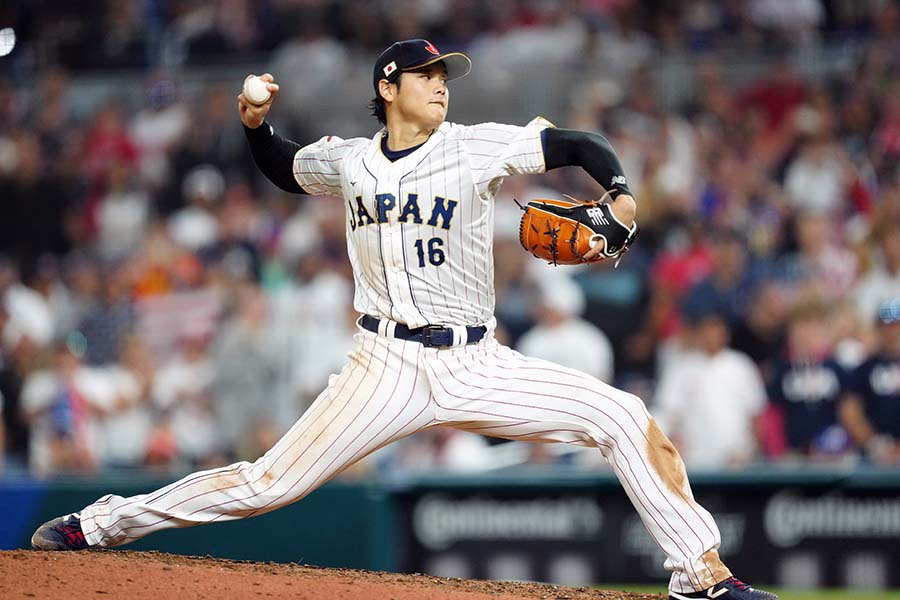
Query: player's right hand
[{"x": 252, "y": 115}]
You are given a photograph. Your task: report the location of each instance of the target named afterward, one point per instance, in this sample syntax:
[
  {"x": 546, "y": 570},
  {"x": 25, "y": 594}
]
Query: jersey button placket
[{"x": 392, "y": 253}]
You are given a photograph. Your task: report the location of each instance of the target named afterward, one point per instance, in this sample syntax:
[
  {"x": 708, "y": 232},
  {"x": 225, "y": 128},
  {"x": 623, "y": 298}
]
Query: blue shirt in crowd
[{"x": 808, "y": 393}]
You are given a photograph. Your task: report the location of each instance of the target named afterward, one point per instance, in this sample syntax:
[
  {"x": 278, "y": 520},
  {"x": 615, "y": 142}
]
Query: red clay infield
[{"x": 32, "y": 575}]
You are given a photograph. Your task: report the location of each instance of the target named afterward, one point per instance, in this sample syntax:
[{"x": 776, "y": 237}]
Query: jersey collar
[{"x": 376, "y": 153}]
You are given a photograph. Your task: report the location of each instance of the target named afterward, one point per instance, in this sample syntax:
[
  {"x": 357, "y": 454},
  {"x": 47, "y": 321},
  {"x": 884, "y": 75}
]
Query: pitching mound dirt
[{"x": 28, "y": 574}]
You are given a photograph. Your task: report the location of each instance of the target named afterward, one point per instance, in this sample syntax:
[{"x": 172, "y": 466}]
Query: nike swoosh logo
[
  {"x": 713, "y": 594},
  {"x": 353, "y": 182}
]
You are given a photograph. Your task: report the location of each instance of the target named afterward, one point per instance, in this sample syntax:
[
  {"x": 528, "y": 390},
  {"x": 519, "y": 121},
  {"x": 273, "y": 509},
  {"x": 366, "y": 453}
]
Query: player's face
[{"x": 423, "y": 96}]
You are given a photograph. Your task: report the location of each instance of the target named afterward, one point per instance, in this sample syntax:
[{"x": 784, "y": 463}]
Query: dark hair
[{"x": 378, "y": 107}]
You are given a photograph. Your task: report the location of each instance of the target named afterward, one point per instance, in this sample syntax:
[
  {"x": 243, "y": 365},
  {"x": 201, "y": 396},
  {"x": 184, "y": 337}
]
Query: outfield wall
[{"x": 804, "y": 528}]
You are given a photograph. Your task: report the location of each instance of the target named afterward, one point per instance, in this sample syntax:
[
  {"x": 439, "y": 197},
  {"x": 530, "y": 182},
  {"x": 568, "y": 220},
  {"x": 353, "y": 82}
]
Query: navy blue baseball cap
[
  {"x": 409, "y": 55},
  {"x": 700, "y": 304}
]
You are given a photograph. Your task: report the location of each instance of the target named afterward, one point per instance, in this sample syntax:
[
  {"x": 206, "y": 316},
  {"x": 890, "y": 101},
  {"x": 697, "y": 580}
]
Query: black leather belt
[{"x": 431, "y": 336}]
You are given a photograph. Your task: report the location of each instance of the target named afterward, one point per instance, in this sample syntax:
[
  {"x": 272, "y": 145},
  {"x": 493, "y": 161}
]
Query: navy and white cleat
[
  {"x": 61, "y": 533},
  {"x": 730, "y": 589}
]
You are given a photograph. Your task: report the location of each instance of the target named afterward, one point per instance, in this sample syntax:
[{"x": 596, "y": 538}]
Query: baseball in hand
[{"x": 255, "y": 90}]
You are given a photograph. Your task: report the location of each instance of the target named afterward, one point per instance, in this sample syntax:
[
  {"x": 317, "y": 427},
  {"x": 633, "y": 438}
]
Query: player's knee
[
  {"x": 611, "y": 398},
  {"x": 634, "y": 403},
  {"x": 265, "y": 490},
  {"x": 259, "y": 477},
  {"x": 636, "y": 409},
  {"x": 617, "y": 415},
  {"x": 271, "y": 486}
]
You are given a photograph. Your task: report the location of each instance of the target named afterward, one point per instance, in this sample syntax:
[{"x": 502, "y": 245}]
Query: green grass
[{"x": 783, "y": 594}]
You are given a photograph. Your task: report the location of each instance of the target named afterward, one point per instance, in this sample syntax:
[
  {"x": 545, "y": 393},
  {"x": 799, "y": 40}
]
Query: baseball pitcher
[{"x": 419, "y": 198}]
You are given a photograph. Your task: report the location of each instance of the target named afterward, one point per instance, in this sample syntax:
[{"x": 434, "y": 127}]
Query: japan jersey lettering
[{"x": 420, "y": 229}]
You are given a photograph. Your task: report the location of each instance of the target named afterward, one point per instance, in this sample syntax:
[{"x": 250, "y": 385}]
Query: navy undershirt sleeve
[
  {"x": 274, "y": 155},
  {"x": 590, "y": 151}
]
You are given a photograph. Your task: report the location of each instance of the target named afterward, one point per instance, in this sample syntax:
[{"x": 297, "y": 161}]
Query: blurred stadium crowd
[{"x": 164, "y": 307}]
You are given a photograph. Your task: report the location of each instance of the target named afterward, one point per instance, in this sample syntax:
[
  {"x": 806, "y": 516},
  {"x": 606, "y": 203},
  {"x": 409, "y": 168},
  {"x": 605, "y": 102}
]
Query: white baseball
[{"x": 255, "y": 90}]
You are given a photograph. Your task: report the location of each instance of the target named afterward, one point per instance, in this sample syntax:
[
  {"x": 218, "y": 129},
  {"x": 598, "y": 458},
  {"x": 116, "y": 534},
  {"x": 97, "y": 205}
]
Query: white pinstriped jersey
[{"x": 420, "y": 229}]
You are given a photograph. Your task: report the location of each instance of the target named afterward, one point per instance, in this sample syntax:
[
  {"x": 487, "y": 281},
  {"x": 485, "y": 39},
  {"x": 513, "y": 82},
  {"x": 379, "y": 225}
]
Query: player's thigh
[
  {"x": 501, "y": 392},
  {"x": 372, "y": 401},
  {"x": 379, "y": 396}
]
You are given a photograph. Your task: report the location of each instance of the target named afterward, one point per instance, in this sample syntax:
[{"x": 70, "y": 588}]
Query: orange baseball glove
[{"x": 562, "y": 232}]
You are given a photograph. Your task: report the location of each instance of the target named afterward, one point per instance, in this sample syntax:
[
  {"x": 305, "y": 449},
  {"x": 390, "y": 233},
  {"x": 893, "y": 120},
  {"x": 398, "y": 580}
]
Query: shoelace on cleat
[
  {"x": 71, "y": 531},
  {"x": 737, "y": 583}
]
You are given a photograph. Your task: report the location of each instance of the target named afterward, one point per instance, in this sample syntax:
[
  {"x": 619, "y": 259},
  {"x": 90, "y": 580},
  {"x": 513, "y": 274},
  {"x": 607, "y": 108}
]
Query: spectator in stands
[
  {"x": 856, "y": 120},
  {"x": 709, "y": 395},
  {"x": 760, "y": 334},
  {"x": 313, "y": 59},
  {"x": 807, "y": 385},
  {"x": 819, "y": 178},
  {"x": 733, "y": 276},
  {"x": 46, "y": 280},
  {"x": 851, "y": 342},
  {"x": 775, "y": 96},
  {"x": 81, "y": 277},
  {"x": 106, "y": 141},
  {"x": 123, "y": 213},
  {"x": 439, "y": 449},
  {"x": 562, "y": 336},
  {"x": 214, "y": 140},
  {"x": 53, "y": 114},
  {"x": 127, "y": 417},
  {"x": 157, "y": 128},
  {"x": 237, "y": 253},
  {"x": 515, "y": 290},
  {"x": 153, "y": 267},
  {"x": 34, "y": 207},
  {"x": 886, "y": 137},
  {"x": 243, "y": 359},
  {"x": 618, "y": 41},
  {"x": 822, "y": 262},
  {"x": 182, "y": 395},
  {"x": 64, "y": 409},
  {"x": 30, "y": 319},
  {"x": 885, "y": 24},
  {"x": 118, "y": 37},
  {"x": 684, "y": 260},
  {"x": 882, "y": 281},
  {"x": 871, "y": 408},
  {"x": 796, "y": 20},
  {"x": 111, "y": 318},
  {"x": 196, "y": 226},
  {"x": 313, "y": 325}
]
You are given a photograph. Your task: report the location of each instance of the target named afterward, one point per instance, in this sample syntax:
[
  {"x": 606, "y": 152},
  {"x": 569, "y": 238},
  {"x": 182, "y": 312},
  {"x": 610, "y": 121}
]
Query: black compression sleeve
[
  {"x": 274, "y": 155},
  {"x": 590, "y": 151}
]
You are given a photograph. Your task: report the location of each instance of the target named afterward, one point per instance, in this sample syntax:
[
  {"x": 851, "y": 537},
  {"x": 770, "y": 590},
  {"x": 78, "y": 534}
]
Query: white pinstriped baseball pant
[{"x": 393, "y": 388}]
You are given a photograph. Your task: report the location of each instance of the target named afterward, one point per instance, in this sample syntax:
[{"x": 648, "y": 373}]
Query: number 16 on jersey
[{"x": 432, "y": 251}]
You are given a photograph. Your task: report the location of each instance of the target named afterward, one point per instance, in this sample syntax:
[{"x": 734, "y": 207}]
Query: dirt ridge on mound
[{"x": 34, "y": 575}]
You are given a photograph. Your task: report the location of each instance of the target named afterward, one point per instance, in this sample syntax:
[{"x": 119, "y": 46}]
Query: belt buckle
[{"x": 428, "y": 340}]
